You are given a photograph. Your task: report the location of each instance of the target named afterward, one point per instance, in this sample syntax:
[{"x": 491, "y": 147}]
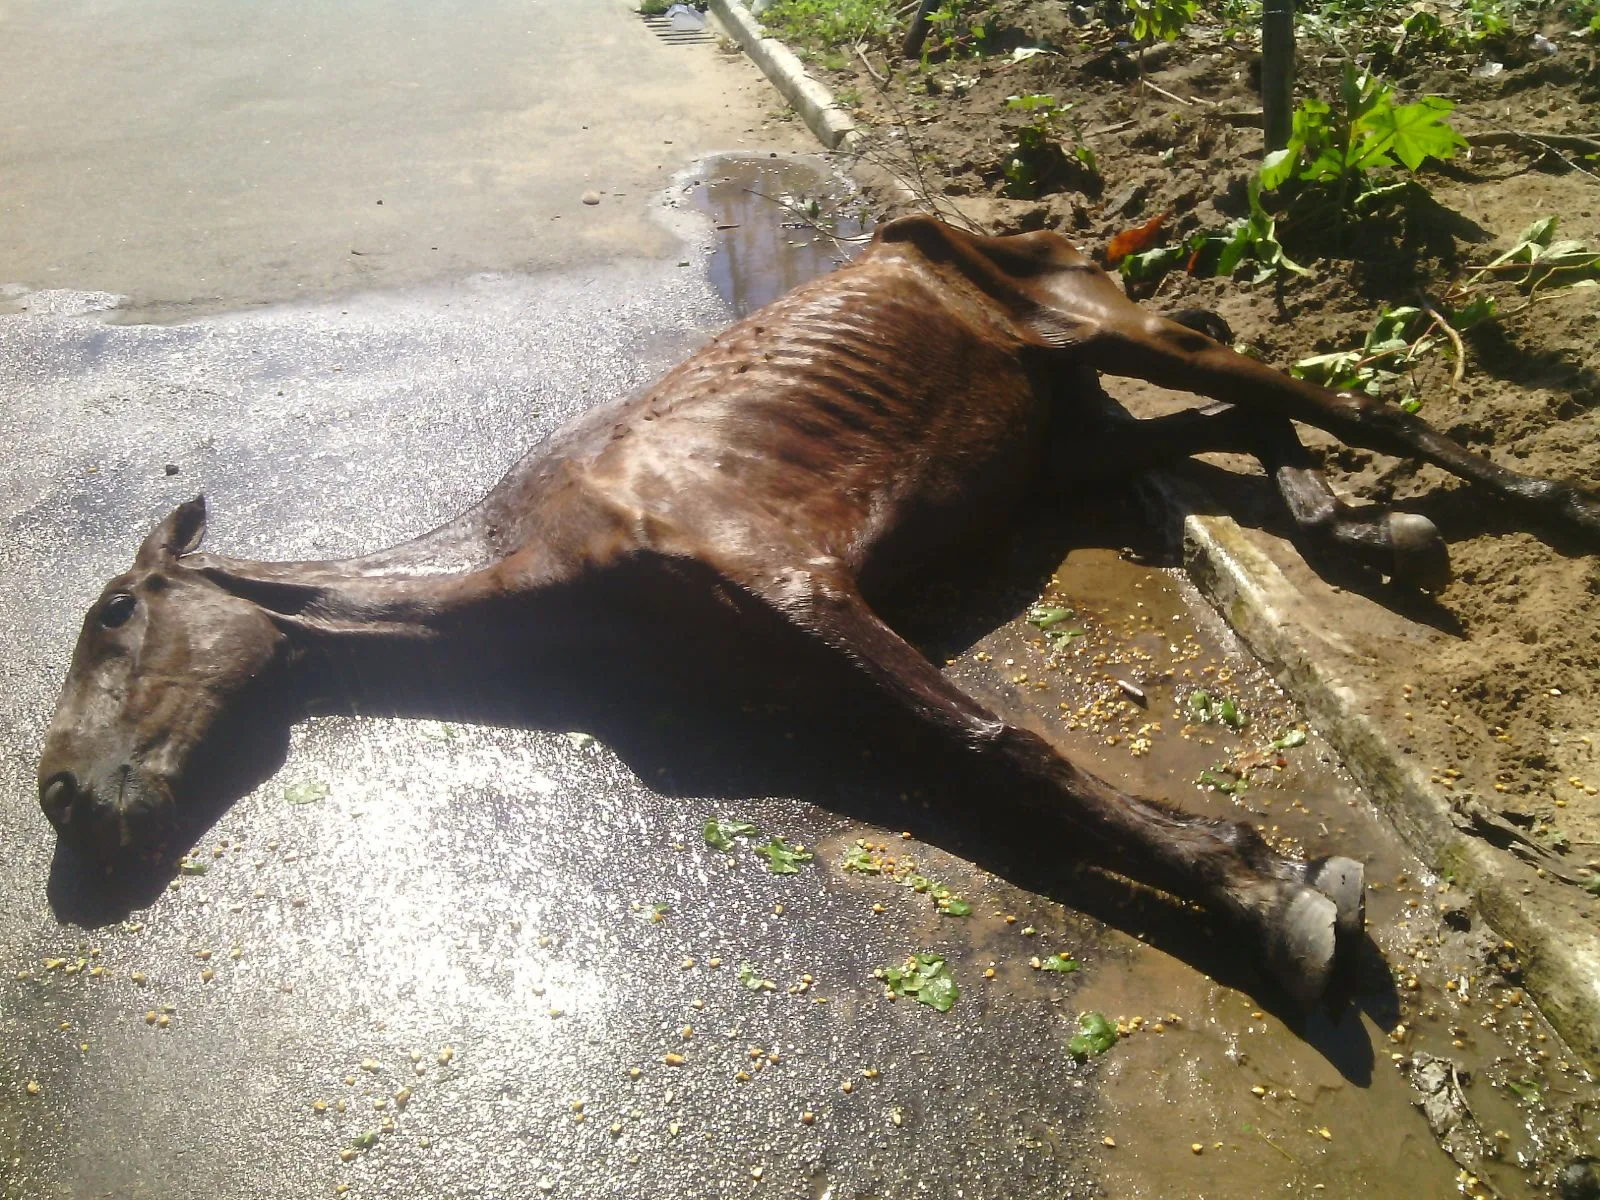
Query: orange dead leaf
[{"x": 1136, "y": 240}]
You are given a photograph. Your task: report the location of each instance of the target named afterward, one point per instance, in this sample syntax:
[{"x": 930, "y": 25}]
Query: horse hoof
[
  {"x": 1304, "y": 945},
  {"x": 1342, "y": 880},
  {"x": 1421, "y": 558}
]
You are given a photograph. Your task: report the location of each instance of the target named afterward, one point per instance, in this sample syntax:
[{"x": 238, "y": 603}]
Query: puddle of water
[{"x": 779, "y": 222}]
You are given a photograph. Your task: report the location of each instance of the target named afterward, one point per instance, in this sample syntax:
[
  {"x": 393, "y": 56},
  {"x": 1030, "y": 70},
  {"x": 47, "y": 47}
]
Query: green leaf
[
  {"x": 1278, "y": 167},
  {"x": 925, "y": 977},
  {"x": 1230, "y": 714},
  {"x": 192, "y": 866},
  {"x": 1059, "y": 962},
  {"x": 782, "y": 859},
  {"x": 1200, "y": 704},
  {"x": 1479, "y": 309},
  {"x": 1540, "y": 232},
  {"x": 955, "y": 906},
  {"x": 308, "y": 791},
  {"x": 748, "y": 977},
  {"x": 720, "y": 832},
  {"x": 1095, "y": 1036},
  {"x": 859, "y": 858},
  {"x": 1153, "y": 264},
  {"x": 1044, "y": 616},
  {"x": 1525, "y": 1088},
  {"x": 1593, "y": 886}
]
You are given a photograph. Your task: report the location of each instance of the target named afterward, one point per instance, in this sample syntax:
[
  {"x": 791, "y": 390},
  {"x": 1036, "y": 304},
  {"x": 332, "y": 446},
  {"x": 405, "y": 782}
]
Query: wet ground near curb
[{"x": 435, "y": 958}]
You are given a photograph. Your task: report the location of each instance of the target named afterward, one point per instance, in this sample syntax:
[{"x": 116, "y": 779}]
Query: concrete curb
[
  {"x": 1559, "y": 952},
  {"x": 815, "y": 104}
]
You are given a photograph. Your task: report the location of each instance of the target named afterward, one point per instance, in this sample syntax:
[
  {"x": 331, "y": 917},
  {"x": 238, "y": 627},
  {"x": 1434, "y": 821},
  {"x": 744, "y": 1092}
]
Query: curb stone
[
  {"x": 815, "y": 104},
  {"x": 1558, "y": 950}
]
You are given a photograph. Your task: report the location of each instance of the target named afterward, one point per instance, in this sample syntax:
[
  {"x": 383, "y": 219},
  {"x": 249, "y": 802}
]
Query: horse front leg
[
  {"x": 1404, "y": 546},
  {"x": 1298, "y": 917}
]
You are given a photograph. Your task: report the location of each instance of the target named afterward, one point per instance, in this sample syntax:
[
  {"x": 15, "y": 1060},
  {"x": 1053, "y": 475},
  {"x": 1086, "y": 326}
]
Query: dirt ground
[{"x": 1505, "y": 705}]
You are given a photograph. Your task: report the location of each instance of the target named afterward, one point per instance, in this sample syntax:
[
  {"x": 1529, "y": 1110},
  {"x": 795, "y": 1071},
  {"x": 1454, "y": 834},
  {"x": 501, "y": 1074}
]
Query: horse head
[{"x": 164, "y": 655}]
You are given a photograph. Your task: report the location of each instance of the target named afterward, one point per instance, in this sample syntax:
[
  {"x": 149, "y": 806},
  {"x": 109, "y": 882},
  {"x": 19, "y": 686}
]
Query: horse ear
[{"x": 180, "y": 534}]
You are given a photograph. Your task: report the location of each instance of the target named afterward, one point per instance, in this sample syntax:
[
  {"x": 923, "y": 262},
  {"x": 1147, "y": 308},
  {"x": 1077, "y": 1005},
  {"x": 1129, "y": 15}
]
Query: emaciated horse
[{"x": 787, "y": 474}]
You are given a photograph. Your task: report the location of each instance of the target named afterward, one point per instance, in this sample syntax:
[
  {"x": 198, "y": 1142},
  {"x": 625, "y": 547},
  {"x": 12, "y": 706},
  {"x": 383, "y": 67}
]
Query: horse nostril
[{"x": 56, "y": 795}]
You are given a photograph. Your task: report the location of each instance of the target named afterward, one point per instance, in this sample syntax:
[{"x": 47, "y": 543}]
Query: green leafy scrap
[
  {"x": 1525, "y": 1088},
  {"x": 1095, "y": 1036},
  {"x": 924, "y": 977},
  {"x": 1251, "y": 239},
  {"x": 1291, "y": 739},
  {"x": 753, "y": 981},
  {"x": 944, "y": 900},
  {"x": 1538, "y": 259},
  {"x": 1045, "y": 615},
  {"x": 782, "y": 858},
  {"x": 1223, "y": 779},
  {"x": 720, "y": 832},
  {"x": 1593, "y": 884},
  {"x": 859, "y": 858},
  {"x": 1062, "y": 962},
  {"x": 1203, "y": 706},
  {"x": 308, "y": 791}
]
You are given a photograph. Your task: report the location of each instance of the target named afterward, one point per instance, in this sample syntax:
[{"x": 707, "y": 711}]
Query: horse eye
[{"x": 117, "y": 610}]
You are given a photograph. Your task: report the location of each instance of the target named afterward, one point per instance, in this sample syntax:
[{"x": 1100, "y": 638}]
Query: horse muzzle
[{"x": 103, "y": 818}]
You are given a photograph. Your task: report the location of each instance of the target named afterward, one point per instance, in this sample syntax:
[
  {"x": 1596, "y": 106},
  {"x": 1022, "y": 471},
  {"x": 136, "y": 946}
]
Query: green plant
[
  {"x": 1343, "y": 158},
  {"x": 1538, "y": 260},
  {"x": 1037, "y": 158},
  {"x": 1399, "y": 339},
  {"x": 1160, "y": 19},
  {"x": 950, "y": 31},
  {"x": 1250, "y": 239},
  {"x": 819, "y": 25}
]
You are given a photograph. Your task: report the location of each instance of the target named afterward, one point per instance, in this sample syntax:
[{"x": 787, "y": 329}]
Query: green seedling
[{"x": 1037, "y": 158}]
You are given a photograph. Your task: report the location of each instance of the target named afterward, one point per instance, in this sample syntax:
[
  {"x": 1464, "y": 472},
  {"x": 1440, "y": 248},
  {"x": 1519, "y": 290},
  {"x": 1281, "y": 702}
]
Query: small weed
[
  {"x": 829, "y": 25},
  {"x": 1037, "y": 158},
  {"x": 1160, "y": 20}
]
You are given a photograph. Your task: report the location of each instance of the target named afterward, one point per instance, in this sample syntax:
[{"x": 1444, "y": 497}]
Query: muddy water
[
  {"x": 1215, "y": 1089},
  {"x": 779, "y": 221}
]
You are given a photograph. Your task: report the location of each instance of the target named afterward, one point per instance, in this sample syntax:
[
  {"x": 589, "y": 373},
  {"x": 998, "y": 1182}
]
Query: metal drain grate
[{"x": 671, "y": 32}]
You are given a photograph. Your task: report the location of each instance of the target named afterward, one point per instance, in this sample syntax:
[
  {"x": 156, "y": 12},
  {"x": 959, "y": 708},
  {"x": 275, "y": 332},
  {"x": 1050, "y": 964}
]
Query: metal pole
[{"x": 1277, "y": 71}]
